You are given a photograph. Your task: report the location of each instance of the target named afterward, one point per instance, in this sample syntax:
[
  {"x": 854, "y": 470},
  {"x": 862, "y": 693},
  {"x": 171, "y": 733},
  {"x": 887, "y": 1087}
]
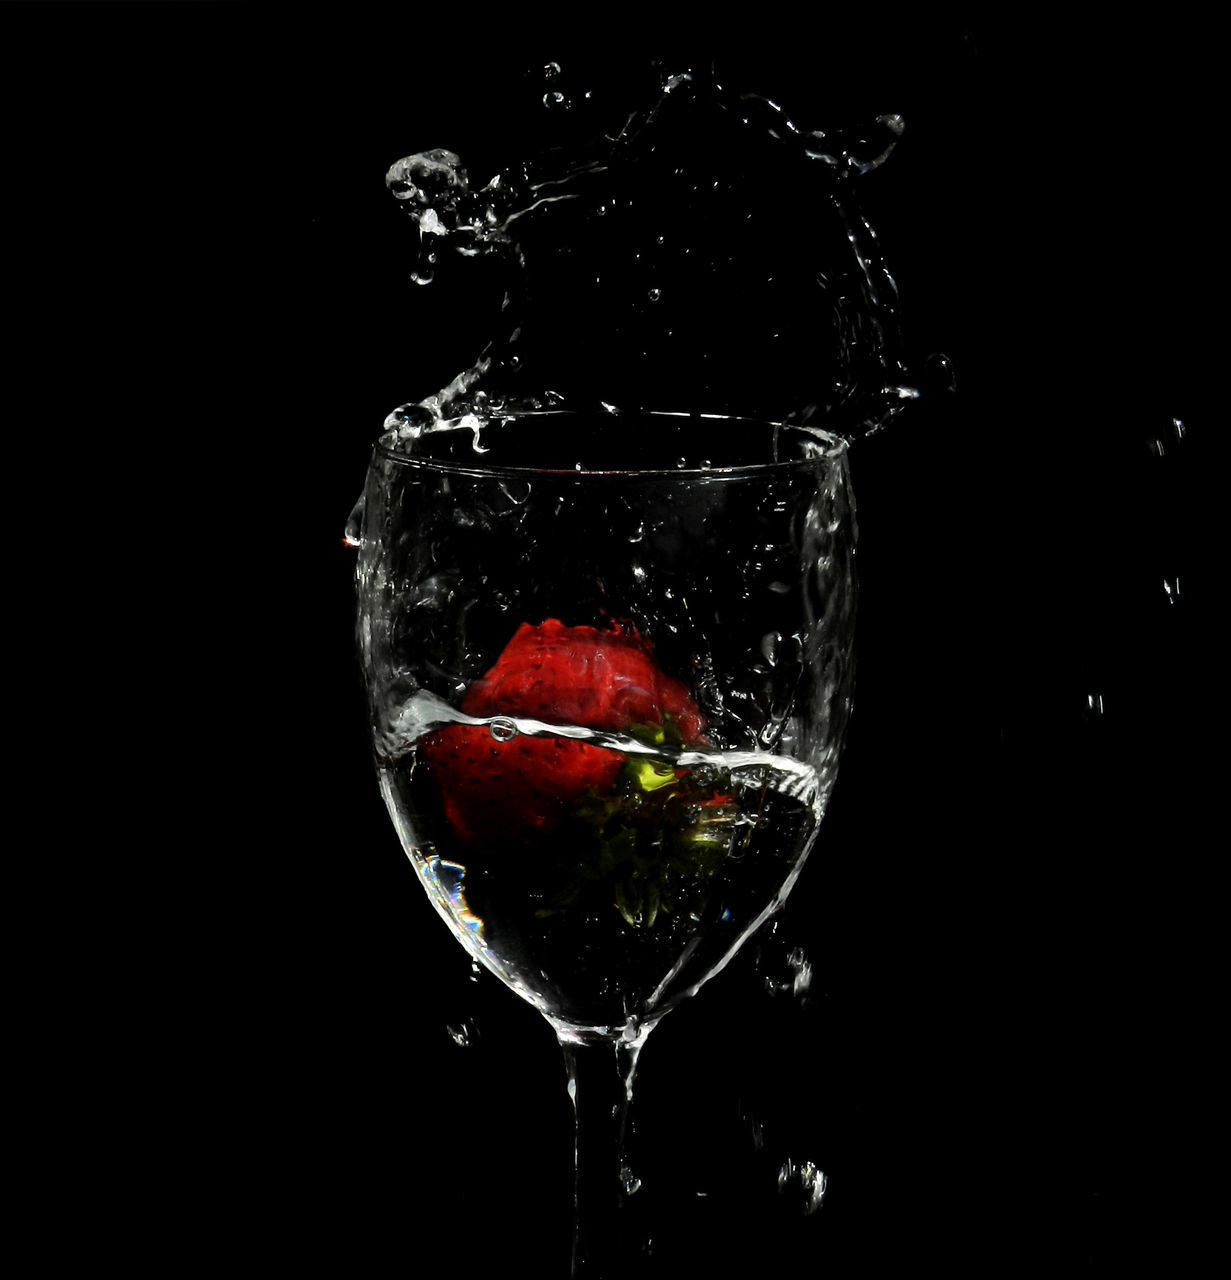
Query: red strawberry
[
  {"x": 582, "y": 676},
  {"x": 504, "y": 792}
]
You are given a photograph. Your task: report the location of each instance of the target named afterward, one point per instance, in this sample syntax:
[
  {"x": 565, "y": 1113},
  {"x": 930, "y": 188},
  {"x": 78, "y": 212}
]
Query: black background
[{"x": 1006, "y": 1052}]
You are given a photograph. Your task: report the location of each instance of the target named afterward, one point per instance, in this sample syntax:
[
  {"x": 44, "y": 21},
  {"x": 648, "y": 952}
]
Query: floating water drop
[
  {"x": 784, "y": 974},
  {"x": 939, "y": 374},
  {"x": 352, "y": 535},
  {"x": 464, "y": 1033},
  {"x": 756, "y": 1132}
]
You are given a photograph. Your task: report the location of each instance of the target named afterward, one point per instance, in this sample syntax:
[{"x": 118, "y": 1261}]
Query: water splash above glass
[{"x": 697, "y": 251}]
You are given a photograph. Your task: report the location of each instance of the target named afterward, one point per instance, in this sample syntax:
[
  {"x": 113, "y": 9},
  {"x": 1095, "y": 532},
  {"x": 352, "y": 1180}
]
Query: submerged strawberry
[
  {"x": 496, "y": 792},
  {"x": 597, "y": 679}
]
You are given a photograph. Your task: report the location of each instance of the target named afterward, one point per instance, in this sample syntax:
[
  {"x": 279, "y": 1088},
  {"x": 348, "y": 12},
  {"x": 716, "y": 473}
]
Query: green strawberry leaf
[{"x": 652, "y": 844}]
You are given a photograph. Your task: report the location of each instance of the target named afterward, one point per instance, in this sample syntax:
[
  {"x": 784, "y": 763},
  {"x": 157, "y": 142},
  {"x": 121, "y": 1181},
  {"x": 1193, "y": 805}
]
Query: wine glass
[{"x": 609, "y": 666}]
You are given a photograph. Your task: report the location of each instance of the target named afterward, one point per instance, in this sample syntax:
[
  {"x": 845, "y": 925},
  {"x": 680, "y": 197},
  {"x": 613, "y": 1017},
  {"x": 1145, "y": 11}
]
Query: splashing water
[
  {"x": 704, "y": 253},
  {"x": 803, "y": 1183},
  {"x": 425, "y": 712}
]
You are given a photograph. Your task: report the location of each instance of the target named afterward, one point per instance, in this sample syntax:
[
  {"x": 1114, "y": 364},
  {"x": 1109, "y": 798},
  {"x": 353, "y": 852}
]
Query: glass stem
[{"x": 600, "y": 1083}]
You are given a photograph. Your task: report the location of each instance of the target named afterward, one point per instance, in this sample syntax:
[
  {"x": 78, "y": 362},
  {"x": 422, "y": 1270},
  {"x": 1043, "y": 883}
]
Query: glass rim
[{"x": 835, "y": 448}]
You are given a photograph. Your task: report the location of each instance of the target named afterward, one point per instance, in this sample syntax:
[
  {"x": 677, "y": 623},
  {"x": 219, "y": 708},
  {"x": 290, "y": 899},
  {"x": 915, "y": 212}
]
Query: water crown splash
[{"x": 704, "y": 254}]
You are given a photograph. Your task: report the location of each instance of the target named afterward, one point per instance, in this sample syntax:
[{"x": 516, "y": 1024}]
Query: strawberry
[{"x": 496, "y": 793}]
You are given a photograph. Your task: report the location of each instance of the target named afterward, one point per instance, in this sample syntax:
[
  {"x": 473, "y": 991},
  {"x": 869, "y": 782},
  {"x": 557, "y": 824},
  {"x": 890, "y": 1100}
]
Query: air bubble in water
[
  {"x": 502, "y": 729},
  {"x": 517, "y": 491}
]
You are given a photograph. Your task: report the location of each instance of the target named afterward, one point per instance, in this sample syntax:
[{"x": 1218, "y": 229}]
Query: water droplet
[
  {"x": 464, "y": 1033},
  {"x": 939, "y": 373},
  {"x": 410, "y": 420},
  {"x": 352, "y": 535},
  {"x": 756, "y": 1131},
  {"x": 654, "y": 295},
  {"x": 502, "y": 729}
]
